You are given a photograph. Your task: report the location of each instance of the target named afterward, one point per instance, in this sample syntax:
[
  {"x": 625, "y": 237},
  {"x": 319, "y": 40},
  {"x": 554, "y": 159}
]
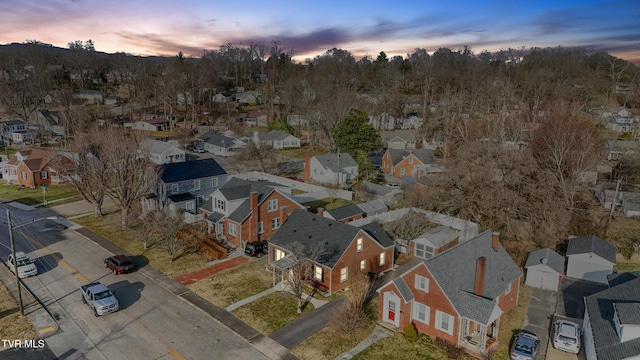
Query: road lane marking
[
  {"x": 46, "y": 330},
  {"x": 56, "y": 257},
  {"x": 175, "y": 354}
]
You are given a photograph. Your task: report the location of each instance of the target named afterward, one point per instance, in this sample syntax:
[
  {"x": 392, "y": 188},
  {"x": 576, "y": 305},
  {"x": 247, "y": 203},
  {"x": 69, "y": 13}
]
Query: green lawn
[
  {"x": 108, "y": 226},
  {"x": 271, "y": 312},
  {"x": 299, "y": 153},
  {"x": 29, "y": 196},
  {"x": 398, "y": 347},
  {"x": 327, "y": 204}
]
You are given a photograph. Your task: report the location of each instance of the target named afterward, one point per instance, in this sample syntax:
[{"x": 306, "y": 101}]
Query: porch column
[{"x": 483, "y": 338}]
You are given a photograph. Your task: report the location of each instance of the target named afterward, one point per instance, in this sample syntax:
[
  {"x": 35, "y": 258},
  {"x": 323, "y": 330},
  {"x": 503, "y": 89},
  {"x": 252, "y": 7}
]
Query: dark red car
[{"x": 119, "y": 264}]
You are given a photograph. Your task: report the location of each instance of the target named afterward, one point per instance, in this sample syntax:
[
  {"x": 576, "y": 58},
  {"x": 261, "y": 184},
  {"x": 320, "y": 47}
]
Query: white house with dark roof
[
  {"x": 220, "y": 144},
  {"x": 276, "y": 139},
  {"x": 611, "y": 325},
  {"x": 343, "y": 214},
  {"x": 434, "y": 241},
  {"x": 545, "y": 269},
  {"x": 459, "y": 295},
  {"x": 334, "y": 169},
  {"x": 590, "y": 258},
  {"x": 616, "y": 149},
  {"x": 16, "y": 131}
]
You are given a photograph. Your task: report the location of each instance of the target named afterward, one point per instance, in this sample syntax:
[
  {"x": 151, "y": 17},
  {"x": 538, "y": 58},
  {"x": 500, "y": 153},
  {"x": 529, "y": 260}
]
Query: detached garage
[
  {"x": 545, "y": 269},
  {"x": 590, "y": 258}
]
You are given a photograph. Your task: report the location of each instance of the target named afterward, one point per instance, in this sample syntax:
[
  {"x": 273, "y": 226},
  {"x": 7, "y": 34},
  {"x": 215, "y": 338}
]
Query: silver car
[
  {"x": 566, "y": 336},
  {"x": 525, "y": 346},
  {"x": 25, "y": 266}
]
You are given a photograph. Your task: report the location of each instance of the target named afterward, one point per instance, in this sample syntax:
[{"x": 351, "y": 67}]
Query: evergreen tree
[{"x": 354, "y": 133}]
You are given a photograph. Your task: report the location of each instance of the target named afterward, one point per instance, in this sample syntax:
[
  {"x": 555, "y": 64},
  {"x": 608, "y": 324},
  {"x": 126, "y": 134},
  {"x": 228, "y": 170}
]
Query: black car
[
  {"x": 119, "y": 264},
  {"x": 256, "y": 248}
]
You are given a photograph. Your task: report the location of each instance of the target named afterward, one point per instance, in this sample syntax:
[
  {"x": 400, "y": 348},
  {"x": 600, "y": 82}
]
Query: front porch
[{"x": 478, "y": 338}]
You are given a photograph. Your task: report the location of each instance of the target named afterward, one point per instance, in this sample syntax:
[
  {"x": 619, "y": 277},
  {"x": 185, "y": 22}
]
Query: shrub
[
  {"x": 349, "y": 319},
  {"x": 453, "y": 351},
  {"x": 410, "y": 332}
]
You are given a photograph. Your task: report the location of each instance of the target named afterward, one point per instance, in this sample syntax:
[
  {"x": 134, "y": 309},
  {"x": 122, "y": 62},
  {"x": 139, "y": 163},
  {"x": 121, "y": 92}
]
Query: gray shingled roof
[
  {"x": 553, "y": 259},
  {"x": 330, "y": 161},
  {"x": 215, "y": 217},
  {"x": 373, "y": 207},
  {"x": 181, "y": 197},
  {"x": 189, "y": 170},
  {"x": 599, "y": 307},
  {"x": 311, "y": 231},
  {"x": 616, "y": 279},
  {"x": 424, "y": 155},
  {"x": 592, "y": 244},
  {"x": 237, "y": 188},
  {"x": 344, "y": 212},
  {"x": 241, "y": 212},
  {"x": 440, "y": 236},
  {"x": 622, "y": 145},
  {"x": 377, "y": 232},
  {"x": 156, "y": 146},
  {"x": 404, "y": 289},
  {"x": 215, "y": 138},
  {"x": 628, "y": 313},
  {"x": 273, "y": 135},
  {"x": 454, "y": 270}
]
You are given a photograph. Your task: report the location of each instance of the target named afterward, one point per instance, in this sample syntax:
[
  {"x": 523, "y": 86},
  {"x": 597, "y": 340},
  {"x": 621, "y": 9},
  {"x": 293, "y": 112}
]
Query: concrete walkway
[
  {"x": 317, "y": 303},
  {"x": 378, "y": 333}
]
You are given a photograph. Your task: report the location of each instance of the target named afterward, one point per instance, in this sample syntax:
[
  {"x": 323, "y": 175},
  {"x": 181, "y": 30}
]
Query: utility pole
[
  {"x": 613, "y": 206},
  {"x": 15, "y": 265}
]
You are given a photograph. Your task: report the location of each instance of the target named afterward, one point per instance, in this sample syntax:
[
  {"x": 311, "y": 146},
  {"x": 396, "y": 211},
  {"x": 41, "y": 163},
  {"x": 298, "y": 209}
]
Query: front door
[{"x": 391, "y": 309}]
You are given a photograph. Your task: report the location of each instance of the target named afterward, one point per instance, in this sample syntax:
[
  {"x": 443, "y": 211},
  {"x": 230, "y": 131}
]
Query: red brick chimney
[
  {"x": 495, "y": 241},
  {"x": 253, "y": 201},
  {"x": 254, "y": 218},
  {"x": 320, "y": 211},
  {"x": 481, "y": 268},
  {"x": 307, "y": 167},
  {"x": 283, "y": 215}
]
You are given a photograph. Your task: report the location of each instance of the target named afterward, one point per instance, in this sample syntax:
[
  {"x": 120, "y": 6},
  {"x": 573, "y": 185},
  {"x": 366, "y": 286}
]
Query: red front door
[{"x": 392, "y": 311}]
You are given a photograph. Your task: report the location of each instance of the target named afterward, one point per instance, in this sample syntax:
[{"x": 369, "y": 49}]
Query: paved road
[
  {"x": 539, "y": 316},
  {"x": 153, "y": 323}
]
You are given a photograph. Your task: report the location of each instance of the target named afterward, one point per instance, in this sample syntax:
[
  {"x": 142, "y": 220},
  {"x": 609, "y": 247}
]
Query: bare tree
[
  {"x": 164, "y": 230},
  {"x": 263, "y": 154},
  {"x": 126, "y": 181},
  {"x": 302, "y": 271}
]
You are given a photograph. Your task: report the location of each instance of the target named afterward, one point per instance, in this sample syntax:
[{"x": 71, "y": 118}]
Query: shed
[
  {"x": 545, "y": 269},
  {"x": 590, "y": 258}
]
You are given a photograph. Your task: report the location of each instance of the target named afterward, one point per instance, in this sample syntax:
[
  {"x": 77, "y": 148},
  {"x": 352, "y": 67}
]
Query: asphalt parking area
[
  {"x": 571, "y": 297},
  {"x": 539, "y": 316}
]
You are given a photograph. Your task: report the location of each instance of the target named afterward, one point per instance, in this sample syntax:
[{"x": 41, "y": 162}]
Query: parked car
[
  {"x": 25, "y": 266},
  {"x": 256, "y": 248},
  {"x": 566, "y": 336},
  {"x": 119, "y": 264},
  {"x": 295, "y": 178},
  {"x": 525, "y": 346}
]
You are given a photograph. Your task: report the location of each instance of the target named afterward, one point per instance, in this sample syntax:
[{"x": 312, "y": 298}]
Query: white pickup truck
[{"x": 100, "y": 298}]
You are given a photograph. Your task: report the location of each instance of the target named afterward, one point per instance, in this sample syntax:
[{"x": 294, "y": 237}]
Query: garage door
[{"x": 542, "y": 279}]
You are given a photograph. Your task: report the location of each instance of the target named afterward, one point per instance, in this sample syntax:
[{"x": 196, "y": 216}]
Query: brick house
[
  {"x": 412, "y": 162},
  {"x": 344, "y": 214},
  {"x": 245, "y": 211},
  {"x": 343, "y": 250},
  {"x": 32, "y": 167},
  {"x": 459, "y": 295}
]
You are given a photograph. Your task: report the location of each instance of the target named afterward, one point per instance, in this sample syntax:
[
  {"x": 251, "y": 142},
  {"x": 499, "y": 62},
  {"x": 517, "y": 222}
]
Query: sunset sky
[{"x": 162, "y": 27}]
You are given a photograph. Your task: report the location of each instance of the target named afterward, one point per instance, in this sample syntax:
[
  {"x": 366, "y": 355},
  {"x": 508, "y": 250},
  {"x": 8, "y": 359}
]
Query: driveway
[
  {"x": 539, "y": 316},
  {"x": 571, "y": 297}
]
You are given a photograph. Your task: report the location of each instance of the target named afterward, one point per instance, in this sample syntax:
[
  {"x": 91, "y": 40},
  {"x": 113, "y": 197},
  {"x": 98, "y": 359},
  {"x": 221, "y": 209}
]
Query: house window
[
  {"x": 43, "y": 175},
  {"x": 174, "y": 188},
  {"x": 196, "y": 185},
  {"x": 444, "y": 322},
  {"x": 232, "y": 229},
  {"x": 383, "y": 258},
  {"x": 402, "y": 171},
  {"x": 220, "y": 204},
  {"x": 200, "y": 200},
  {"x": 363, "y": 265},
  {"x": 423, "y": 251},
  {"x": 421, "y": 312},
  {"x": 273, "y": 205},
  {"x": 260, "y": 228},
  {"x": 508, "y": 289},
  {"x": 317, "y": 273},
  {"x": 279, "y": 254},
  {"x": 13, "y": 171},
  {"x": 24, "y": 175},
  {"x": 189, "y": 205},
  {"x": 411, "y": 160},
  {"x": 344, "y": 274},
  {"x": 214, "y": 182},
  {"x": 275, "y": 223},
  {"x": 359, "y": 244},
  {"x": 422, "y": 283}
]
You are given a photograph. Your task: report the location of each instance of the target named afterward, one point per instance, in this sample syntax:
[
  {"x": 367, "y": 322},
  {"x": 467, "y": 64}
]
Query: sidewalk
[
  {"x": 39, "y": 316},
  {"x": 378, "y": 333},
  {"x": 234, "y": 260},
  {"x": 317, "y": 303}
]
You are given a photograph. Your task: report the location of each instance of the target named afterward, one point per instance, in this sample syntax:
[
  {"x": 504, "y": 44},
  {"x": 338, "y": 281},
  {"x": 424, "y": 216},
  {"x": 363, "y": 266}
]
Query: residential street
[{"x": 152, "y": 323}]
